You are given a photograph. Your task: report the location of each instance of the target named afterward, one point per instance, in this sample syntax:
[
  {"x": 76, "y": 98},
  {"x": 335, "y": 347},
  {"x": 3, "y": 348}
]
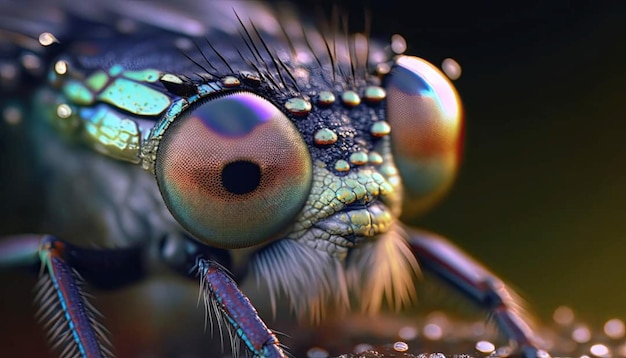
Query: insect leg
[
  {"x": 445, "y": 260},
  {"x": 226, "y": 297},
  {"x": 192, "y": 258},
  {"x": 69, "y": 318}
]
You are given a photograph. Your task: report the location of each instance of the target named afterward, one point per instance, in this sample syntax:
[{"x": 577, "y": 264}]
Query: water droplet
[
  {"x": 563, "y": 315},
  {"x": 383, "y": 68},
  {"x": 374, "y": 158},
  {"x": 358, "y": 158},
  {"x": 47, "y": 39},
  {"x": 8, "y": 71},
  {"x": 64, "y": 111},
  {"x": 342, "y": 166},
  {"x": 542, "y": 354},
  {"x": 317, "y": 352},
  {"x": 31, "y": 62},
  {"x": 12, "y": 115},
  {"x": 374, "y": 94},
  {"x": 400, "y": 346},
  {"x": 325, "y": 98},
  {"x": 298, "y": 106},
  {"x": 231, "y": 81},
  {"x": 398, "y": 44},
  {"x": 363, "y": 347},
  {"x": 451, "y": 68},
  {"x": 485, "y": 347},
  {"x": 380, "y": 129},
  {"x": 600, "y": 350},
  {"x": 407, "y": 333},
  {"x": 581, "y": 334},
  {"x": 614, "y": 328},
  {"x": 350, "y": 98},
  {"x": 325, "y": 136},
  {"x": 60, "y": 67},
  {"x": 433, "y": 331}
]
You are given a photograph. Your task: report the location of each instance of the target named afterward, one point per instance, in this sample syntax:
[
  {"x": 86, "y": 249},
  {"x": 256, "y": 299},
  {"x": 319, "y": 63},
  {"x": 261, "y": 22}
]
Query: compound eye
[
  {"x": 426, "y": 119},
  {"x": 234, "y": 171}
]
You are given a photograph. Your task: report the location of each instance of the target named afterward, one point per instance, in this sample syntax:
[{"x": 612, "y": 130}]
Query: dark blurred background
[{"x": 541, "y": 193}]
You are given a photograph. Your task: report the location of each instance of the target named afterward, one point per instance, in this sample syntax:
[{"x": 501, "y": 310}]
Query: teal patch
[
  {"x": 110, "y": 133},
  {"x": 97, "y": 81},
  {"x": 206, "y": 89},
  {"x": 135, "y": 98},
  {"x": 78, "y": 93},
  {"x": 148, "y": 75},
  {"x": 116, "y": 70}
]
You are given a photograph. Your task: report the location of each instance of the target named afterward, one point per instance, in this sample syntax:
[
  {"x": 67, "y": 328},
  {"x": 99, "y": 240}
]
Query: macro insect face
[{"x": 241, "y": 144}]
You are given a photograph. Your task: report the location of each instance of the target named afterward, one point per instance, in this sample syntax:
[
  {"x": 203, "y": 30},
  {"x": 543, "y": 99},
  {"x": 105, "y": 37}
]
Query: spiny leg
[
  {"x": 445, "y": 260},
  {"x": 226, "y": 299},
  {"x": 67, "y": 315},
  {"x": 221, "y": 294}
]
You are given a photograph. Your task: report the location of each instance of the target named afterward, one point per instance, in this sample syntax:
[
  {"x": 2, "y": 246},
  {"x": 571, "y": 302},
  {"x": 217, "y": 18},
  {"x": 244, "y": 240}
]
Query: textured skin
[{"x": 128, "y": 199}]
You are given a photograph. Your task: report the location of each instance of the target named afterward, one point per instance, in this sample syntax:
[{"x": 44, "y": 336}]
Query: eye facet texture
[
  {"x": 426, "y": 118},
  {"x": 234, "y": 171}
]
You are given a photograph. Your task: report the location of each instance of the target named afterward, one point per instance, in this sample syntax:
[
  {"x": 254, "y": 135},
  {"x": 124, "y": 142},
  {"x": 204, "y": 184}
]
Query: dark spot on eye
[{"x": 241, "y": 177}]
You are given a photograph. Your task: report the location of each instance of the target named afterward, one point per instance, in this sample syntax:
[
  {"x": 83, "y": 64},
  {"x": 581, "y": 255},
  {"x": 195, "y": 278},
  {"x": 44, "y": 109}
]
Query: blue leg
[
  {"x": 227, "y": 300},
  {"x": 64, "y": 309},
  {"x": 445, "y": 260},
  {"x": 221, "y": 294}
]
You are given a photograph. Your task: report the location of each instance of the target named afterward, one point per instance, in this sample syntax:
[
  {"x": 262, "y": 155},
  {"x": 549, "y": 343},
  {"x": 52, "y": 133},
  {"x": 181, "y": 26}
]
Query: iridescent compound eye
[
  {"x": 426, "y": 120},
  {"x": 234, "y": 171}
]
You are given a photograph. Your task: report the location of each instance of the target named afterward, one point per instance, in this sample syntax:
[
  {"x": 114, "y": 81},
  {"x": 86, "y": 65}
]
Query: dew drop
[
  {"x": 398, "y": 44},
  {"x": 12, "y": 115},
  {"x": 400, "y": 346},
  {"x": 563, "y": 315},
  {"x": 407, "y": 333},
  {"x": 31, "y": 62},
  {"x": 60, "y": 67},
  {"x": 451, "y": 68},
  {"x": 485, "y": 347},
  {"x": 363, "y": 347},
  {"x": 47, "y": 39},
  {"x": 614, "y": 328},
  {"x": 8, "y": 71},
  {"x": 317, "y": 352},
  {"x": 542, "y": 354},
  {"x": 600, "y": 350},
  {"x": 64, "y": 111},
  {"x": 433, "y": 331},
  {"x": 581, "y": 334}
]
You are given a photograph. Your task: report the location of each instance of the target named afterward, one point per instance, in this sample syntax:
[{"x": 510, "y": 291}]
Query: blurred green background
[{"x": 541, "y": 194}]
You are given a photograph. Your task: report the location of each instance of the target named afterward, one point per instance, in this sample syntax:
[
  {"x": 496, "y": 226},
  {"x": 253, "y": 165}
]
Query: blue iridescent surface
[
  {"x": 235, "y": 115},
  {"x": 410, "y": 82},
  {"x": 533, "y": 138}
]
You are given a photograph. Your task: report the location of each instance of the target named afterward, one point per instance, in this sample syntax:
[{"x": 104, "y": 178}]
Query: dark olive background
[{"x": 541, "y": 193}]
